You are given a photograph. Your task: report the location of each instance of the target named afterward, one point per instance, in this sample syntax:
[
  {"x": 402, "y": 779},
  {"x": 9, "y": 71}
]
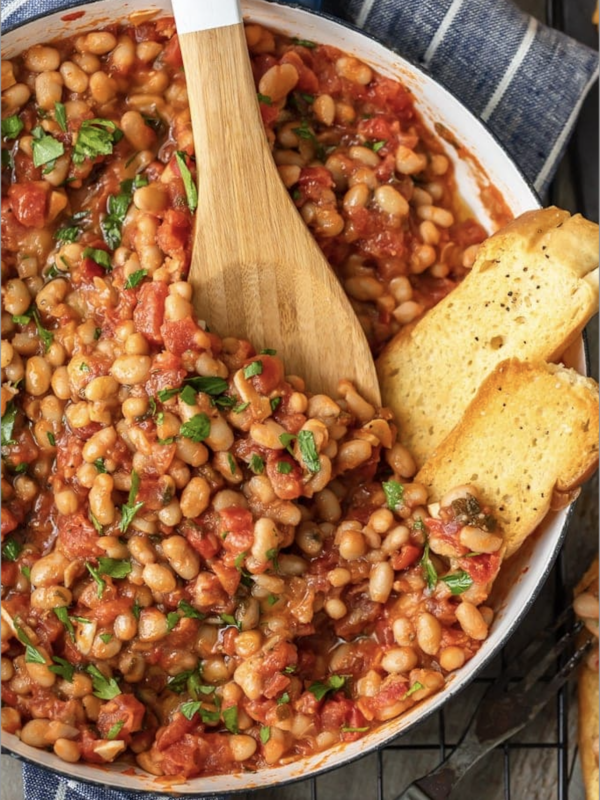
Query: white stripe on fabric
[
  {"x": 364, "y": 13},
  {"x": 10, "y": 8},
  {"x": 510, "y": 73},
  {"x": 61, "y": 791},
  {"x": 549, "y": 164},
  {"x": 442, "y": 30}
]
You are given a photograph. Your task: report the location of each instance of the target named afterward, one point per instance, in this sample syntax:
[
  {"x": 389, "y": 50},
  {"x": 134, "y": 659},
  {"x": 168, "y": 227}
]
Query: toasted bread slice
[
  {"x": 532, "y": 289},
  {"x": 530, "y": 432},
  {"x": 588, "y": 695}
]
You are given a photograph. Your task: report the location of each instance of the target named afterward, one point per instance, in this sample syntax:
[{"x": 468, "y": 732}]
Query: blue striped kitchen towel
[{"x": 525, "y": 80}]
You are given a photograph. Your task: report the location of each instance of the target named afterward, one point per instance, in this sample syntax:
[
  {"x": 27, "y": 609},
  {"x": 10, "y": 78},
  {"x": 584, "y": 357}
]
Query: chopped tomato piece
[
  {"x": 124, "y": 711},
  {"x": 29, "y": 202},
  {"x": 149, "y": 312}
]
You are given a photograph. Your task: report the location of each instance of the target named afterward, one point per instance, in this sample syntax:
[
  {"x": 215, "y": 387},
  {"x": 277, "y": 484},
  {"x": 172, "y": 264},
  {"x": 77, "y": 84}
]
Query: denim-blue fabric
[{"x": 525, "y": 80}]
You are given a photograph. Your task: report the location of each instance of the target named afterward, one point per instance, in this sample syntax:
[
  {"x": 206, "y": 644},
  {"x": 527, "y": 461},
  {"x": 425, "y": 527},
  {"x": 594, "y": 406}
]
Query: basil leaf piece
[
  {"x": 51, "y": 439},
  {"x": 254, "y": 368},
  {"x": 212, "y": 386},
  {"x": 95, "y": 137},
  {"x": 190, "y": 708},
  {"x": 191, "y": 190},
  {"x": 308, "y": 449},
  {"x": 62, "y": 668},
  {"x": 45, "y": 148},
  {"x": 197, "y": 428},
  {"x": 458, "y": 582},
  {"x": 188, "y": 395},
  {"x": 68, "y": 234},
  {"x": 11, "y": 127},
  {"x": 32, "y": 654},
  {"x": 8, "y": 424},
  {"x": 104, "y": 688},
  {"x": 114, "y": 567},
  {"x": 394, "y": 494},
  {"x": 11, "y": 549},
  {"x": 135, "y": 278}
]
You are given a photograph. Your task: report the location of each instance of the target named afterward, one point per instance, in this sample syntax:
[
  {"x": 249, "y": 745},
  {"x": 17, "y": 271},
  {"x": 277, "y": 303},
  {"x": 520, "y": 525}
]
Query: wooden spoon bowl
[{"x": 257, "y": 272}]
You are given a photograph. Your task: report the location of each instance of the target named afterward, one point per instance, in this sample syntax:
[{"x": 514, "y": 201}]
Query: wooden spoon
[{"x": 257, "y": 272}]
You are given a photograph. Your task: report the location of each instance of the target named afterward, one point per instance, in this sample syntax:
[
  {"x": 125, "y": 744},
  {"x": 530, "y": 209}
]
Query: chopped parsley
[
  {"x": 96, "y": 576},
  {"x": 63, "y": 616},
  {"x": 99, "y": 464},
  {"x": 101, "y": 257},
  {"x": 106, "y": 637},
  {"x": 265, "y": 99},
  {"x": 8, "y": 424},
  {"x": 188, "y": 395},
  {"x": 51, "y": 439},
  {"x": 305, "y": 43},
  {"x": 394, "y": 494},
  {"x": 429, "y": 570},
  {"x": 104, "y": 688},
  {"x": 284, "y": 467},
  {"x": 130, "y": 509},
  {"x": 11, "y": 549},
  {"x": 265, "y": 733},
  {"x": 257, "y": 465},
  {"x": 241, "y": 407},
  {"x": 275, "y": 402},
  {"x": 189, "y": 610},
  {"x": 96, "y": 137},
  {"x": 231, "y": 463},
  {"x": 286, "y": 440},
  {"x": 46, "y": 149},
  {"x": 172, "y": 620},
  {"x": 191, "y": 190},
  {"x": 62, "y": 668},
  {"x": 228, "y": 619},
  {"x": 60, "y": 115},
  {"x": 32, "y": 654},
  {"x": 320, "y": 689},
  {"x": 46, "y": 336},
  {"x": 230, "y": 718},
  {"x": 376, "y": 146},
  {"x": 458, "y": 582},
  {"x": 283, "y": 699},
  {"x": 308, "y": 449},
  {"x": 11, "y": 127},
  {"x": 414, "y": 688},
  {"x": 96, "y": 523},
  {"x": 115, "y": 730},
  {"x": 197, "y": 428},
  {"x": 135, "y": 278},
  {"x": 117, "y": 206}
]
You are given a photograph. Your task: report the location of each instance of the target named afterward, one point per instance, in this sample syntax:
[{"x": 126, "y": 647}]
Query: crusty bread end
[
  {"x": 531, "y": 431},
  {"x": 532, "y": 289}
]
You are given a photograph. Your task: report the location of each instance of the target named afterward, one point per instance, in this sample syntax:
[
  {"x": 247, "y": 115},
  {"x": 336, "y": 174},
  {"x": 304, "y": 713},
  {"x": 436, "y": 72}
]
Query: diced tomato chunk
[
  {"x": 482, "y": 568},
  {"x": 29, "y": 202},
  {"x": 278, "y": 658},
  {"x": 236, "y": 529},
  {"x": 172, "y": 53},
  {"x": 181, "y": 335},
  {"x": 77, "y": 537},
  {"x": 186, "y": 757},
  {"x": 229, "y": 577},
  {"x": 125, "y": 711},
  {"x": 173, "y": 236},
  {"x": 149, "y": 312},
  {"x": 276, "y": 684},
  {"x": 271, "y": 375},
  {"x": 406, "y": 556},
  {"x": 286, "y": 485}
]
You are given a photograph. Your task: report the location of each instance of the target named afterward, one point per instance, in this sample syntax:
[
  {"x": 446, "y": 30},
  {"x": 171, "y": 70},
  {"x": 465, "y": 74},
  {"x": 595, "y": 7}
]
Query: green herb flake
[
  {"x": 45, "y": 148},
  {"x": 96, "y": 523},
  {"x": 63, "y": 616},
  {"x": 376, "y": 146},
  {"x": 191, "y": 190},
  {"x": 100, "y": 465},
  {"x": 27, "y": 572},
  {"x": 197, "y": 428},
  {"x": 228, "y": 619},
  {"x": 257, "y": 465},
  {"x": 130, "y": 509},
  {"x": 116, "y": 568},
  {"x": 272, "y": 599},
  {"x": 11, "y": 127},
  {"x": 106, "y": 637},
  {"x": 135, "y": 609},
  {"x": 67, "y": 234},
  {"x": 96, "y": 137},
  {"x": 51, "y": 438},
  {"x": 334, "y": 683},
  {"x": 286, "y": 440},
  {"x": 394, "y": 494},
  {"x": 96, "y": 576},
  {"x": 275, "y": 402},
  {"x": 458, "y": 582},
  {"x": 414, "y": 688},
  {"x": 305, "y": 43},
  {"x": 308, "y": 449},
  {"x": 188, "y": 395},
  {"x": 32, "y": 654},
  {"x": 172, "y": 620},
  {"x": 101, "y": 257},
  {"x": 8, "y": 424},
  {"x": 11, "y": 549},
  {"x": 265, "y": 733},
  {"x": 189, "y": 611},
  {"x": 265, "y": 99},
  {"x": 62, "y": 668},
  {"x": 190, "y": 708},
  {"x": 135, "y": 278},
  {"x": 166, "y": 394},
  {"x": 115, "y": 730},
  {"x": 429, "y": 570},
  {"x": 283, "y": 699},
  {"x": 254, "y": 368},
  {"x": 284, "y": 467},
  {"x": 241, "y": 407},
  {"x": 60, "y": 115},
  {"x": 208, "y": 385},
  {"x": 239, "y": 560},
  {"x": 97, "y": 333},
  {"x": 104, "y": 688},
  {"x": 230, "y": 718},
  {"x": 232, "y": 464}
]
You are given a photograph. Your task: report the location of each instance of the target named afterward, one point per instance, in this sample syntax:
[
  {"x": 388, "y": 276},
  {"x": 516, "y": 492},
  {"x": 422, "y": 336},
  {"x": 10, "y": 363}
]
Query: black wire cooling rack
[{"x": 539, "y": 761}]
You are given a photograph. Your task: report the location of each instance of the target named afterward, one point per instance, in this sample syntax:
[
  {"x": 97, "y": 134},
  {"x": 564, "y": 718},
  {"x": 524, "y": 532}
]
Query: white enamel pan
[{"x": 488, "y": 164}]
